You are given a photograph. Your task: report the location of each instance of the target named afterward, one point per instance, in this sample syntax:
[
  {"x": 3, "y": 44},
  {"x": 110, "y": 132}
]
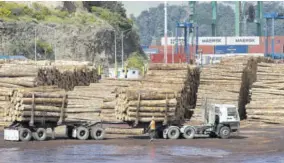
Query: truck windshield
[{"x": 232, "y": 111}]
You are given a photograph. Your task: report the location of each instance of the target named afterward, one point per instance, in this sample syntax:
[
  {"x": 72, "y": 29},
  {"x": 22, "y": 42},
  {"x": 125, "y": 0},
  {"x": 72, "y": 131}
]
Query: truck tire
[
  {"x": 173, "y": 133},
  {"x": 82, "y": 133},
  {"x": 97, "y": 133},
  {"x": 40, "y": 134},
  {"x": 225, "y": 132},
  {"x": 25, "y": 134},
  {"x": 189, "y": 133}
]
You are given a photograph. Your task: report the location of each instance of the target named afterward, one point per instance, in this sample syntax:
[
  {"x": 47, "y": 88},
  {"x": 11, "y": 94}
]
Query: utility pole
[
  {"x": 122, "y": 47},
  {"x": 237, "y": 18},
  {"x": 259, "y": 17},
  {"x": 214, "y": 18},
  {"x": 115, "y": 59},
  {"x": 35, "y": 45},
  {"x": 165, "y": 33}
]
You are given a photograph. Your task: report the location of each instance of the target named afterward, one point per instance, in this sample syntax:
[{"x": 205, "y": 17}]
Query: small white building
[{"x": 131, "y": 73}]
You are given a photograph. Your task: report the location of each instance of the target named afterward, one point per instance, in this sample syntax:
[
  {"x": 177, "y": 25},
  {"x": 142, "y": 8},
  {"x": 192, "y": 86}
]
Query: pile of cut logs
[
  {"x": 227, "y": 83},
  {"x": 267, "y": 94},
  {"x": 18, "y": 74},
  {"x": 37, "y": 105},
  {"x": 166, "y": 93},
  {"x": 95, "y": 102}
]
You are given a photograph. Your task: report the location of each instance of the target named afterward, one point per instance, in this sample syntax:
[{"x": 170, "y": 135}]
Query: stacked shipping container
[{"x": 238, "y": 47}]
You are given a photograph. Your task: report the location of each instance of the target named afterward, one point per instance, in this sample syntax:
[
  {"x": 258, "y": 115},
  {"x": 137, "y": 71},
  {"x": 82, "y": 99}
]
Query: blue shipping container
[
  {"x": 144, "y": 46},
  {"x": 225, "y": 49},
  {"x": 151, "y": 51}
]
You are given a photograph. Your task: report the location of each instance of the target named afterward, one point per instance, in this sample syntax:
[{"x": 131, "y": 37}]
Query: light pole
[
  {"x": 115, "y": 60},
  {"x": 172, "y": 47},
  {"x": 35, "y": 38},
  {"x": 54, "y": 40},
  {"x": 122, "y": 47}
]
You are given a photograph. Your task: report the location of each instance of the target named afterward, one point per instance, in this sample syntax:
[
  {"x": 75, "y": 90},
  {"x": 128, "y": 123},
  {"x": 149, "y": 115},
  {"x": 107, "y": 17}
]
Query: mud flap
[{"x": 11, "y": 135}]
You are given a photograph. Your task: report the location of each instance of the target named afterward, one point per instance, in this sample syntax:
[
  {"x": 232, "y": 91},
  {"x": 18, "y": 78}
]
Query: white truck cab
[{"x": 220, "y": 120}]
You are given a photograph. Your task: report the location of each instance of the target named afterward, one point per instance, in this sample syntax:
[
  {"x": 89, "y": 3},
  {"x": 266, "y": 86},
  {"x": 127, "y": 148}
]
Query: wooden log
[
  {"x": 7, "y": 85},
  {"x": 271, "y": 112},
  {"x": 148, "y": 95},
  {"x": 143, "y": 119},
  {"x": 37, "y": 119},
  {"x": 83, "y": 110},
  {"x": 28, "y": 101},
  {"x": 109, "y": 104},
  {"x": 152, "y": 109},
  {"x": 39, "y": 108},
  {"x": 163, "y": 66},
  {"x": 150, "y": 114},
  {"x": 42, "y": 94},
  {"x": 37, "y": 114},
  {"x": 132, "y": 131},
  {"x": 21, "y": 81},
  {"x": 171, "y": 103}
]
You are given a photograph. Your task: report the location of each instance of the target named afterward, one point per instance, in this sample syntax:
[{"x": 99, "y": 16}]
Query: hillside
[{"x": 72, "y": 30}]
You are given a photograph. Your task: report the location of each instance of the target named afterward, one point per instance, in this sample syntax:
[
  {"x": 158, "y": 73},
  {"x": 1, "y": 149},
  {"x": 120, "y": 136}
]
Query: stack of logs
[
  {"x": 227, "y": 83},
  {"x": 167, "y": 92},
  {"x": 266, "y": 103},
  {"x": 108, "y": 107},
  {"x": 19, "y": 74},
  {"x": 37, "y": 105},
  {"x": 95, "y": 102}
]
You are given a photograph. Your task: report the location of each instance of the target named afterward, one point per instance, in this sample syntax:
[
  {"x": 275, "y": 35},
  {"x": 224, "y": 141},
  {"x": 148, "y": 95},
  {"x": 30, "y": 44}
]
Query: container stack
[
  {"x": 37, "y": 105},
  {"x": 227, "y": 83},
  {"x": 167, "y": 92},
  {"x": 267, "y": 94}
]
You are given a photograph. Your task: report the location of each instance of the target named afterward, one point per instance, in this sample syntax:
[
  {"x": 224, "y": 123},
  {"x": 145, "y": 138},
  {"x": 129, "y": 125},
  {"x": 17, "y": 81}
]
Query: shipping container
[
  {"x": 206, "y": 49},
  {"x": 227, "y": 49},
  {"x": 243, "y": 40},
  {"x": 151, "y": 51}
]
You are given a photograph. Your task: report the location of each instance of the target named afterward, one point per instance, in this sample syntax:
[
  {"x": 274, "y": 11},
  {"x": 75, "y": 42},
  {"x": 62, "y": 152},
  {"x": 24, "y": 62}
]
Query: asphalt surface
[{"x": 255, "y": 143}]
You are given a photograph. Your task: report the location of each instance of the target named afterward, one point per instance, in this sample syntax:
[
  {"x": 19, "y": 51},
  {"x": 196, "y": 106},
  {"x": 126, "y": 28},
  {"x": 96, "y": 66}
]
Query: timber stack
[
  {"x": 95, "y": 102},
  {"x": 37, "y": 105},
  {"x": 110, "y": 101},
  {"x": 227, "y": 83},
  {"x": 267, "y": 94},
  {"x": 167, "y": 92},
  {"x": 18, "y": 74}
]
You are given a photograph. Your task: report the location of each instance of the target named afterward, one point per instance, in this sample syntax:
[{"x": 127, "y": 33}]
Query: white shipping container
[
  {"x": 211, "y": 40},
  {"x": 244, "y": 40}
]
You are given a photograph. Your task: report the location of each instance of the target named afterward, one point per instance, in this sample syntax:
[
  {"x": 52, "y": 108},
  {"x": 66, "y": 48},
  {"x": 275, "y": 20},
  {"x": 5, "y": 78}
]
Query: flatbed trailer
[{"x": 82, "y": 130}]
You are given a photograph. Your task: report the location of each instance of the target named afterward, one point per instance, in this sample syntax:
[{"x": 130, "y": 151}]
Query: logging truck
[{"x": 220, "y": 120}]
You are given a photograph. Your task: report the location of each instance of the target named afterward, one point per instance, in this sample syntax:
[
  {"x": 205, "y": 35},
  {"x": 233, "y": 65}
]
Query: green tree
[{"x": 135, "y": 60}]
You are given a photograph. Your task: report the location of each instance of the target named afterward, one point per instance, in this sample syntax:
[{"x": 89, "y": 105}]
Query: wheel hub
[
  {"x": 225, "y": 132},
  {"x": 82, "y": 133},
  {"x": 99, "y": 133}
]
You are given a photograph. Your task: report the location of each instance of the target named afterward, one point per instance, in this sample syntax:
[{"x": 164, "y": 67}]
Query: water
[{"x": 128, "y": 154}]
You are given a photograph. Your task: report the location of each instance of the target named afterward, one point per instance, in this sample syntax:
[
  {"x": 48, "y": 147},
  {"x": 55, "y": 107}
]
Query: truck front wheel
[{"x": 225, "y": 132}]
